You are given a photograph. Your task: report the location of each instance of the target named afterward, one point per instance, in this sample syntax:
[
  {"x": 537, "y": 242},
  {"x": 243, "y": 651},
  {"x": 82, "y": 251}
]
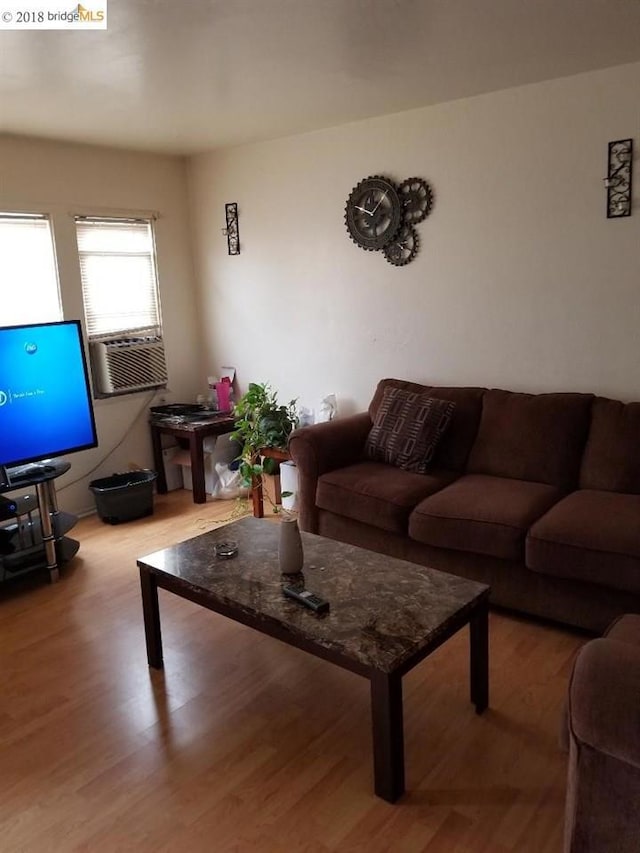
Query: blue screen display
[{"x": 45, "y": 402}]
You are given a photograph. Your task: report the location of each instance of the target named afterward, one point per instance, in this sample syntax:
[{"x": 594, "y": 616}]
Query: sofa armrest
[
  {"x": 604, "y": 699},
  {"x": 323, "y": 447}
]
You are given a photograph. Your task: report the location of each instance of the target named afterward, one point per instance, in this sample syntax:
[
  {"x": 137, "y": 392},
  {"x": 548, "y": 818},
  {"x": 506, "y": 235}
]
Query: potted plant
[{"x": 261, "y": 422}]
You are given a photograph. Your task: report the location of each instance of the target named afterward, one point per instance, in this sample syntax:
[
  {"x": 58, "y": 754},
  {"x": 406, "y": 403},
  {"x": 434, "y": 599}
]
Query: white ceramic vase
[{"x": 290, "y": 551}]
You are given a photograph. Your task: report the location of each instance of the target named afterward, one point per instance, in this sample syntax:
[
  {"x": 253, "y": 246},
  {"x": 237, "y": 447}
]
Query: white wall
[
  {"x": 521, "y": 281},
  {"x": 63, "y": 180}
]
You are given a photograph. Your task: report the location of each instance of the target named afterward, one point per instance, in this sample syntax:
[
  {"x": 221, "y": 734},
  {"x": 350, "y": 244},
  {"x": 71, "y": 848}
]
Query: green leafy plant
[{"x": 261, "y": 422}]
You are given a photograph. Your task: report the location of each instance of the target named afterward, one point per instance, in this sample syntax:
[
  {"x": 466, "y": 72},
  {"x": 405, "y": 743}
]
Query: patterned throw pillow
[{"x": 407, "y": 428}]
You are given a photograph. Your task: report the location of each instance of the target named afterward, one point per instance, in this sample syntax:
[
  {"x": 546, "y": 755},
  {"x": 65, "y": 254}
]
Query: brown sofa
[
  {"x": 603, "y": 731},
  {"x": 536, "y": 494}
]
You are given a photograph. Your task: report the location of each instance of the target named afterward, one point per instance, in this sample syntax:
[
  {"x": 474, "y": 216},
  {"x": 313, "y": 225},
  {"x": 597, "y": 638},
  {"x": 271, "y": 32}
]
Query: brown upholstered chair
[{"x": 603, "y": 790}]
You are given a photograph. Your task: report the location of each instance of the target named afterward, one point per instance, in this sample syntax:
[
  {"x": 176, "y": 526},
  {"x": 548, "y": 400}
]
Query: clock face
[
  {"x": 416, "y": 199},
  {"x": 373, "y": 213},
  {"x": 404, "y": 246}
]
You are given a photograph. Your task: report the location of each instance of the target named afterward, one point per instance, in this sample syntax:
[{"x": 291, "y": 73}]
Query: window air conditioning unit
[{"x": 128, "y": 364}]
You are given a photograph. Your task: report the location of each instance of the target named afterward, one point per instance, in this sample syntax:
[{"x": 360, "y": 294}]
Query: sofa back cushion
[
  {"x": 454, "y": 447},
  {"x": 611, "y": 460},
  {"x": 535, "y": 437}
]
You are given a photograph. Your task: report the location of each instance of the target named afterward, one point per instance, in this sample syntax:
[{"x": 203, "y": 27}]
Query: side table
[
  {"x": 256, "y": 483},
  {"x": 194, "y": 431}
]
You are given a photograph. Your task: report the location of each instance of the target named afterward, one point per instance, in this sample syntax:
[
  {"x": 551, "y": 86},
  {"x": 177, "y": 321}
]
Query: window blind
[
  {"x": 29, "y": 291},
  {"x": 119, "y": 280}
]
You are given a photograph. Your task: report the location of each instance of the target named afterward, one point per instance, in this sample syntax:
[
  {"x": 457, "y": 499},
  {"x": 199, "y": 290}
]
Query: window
[
  {"x": 119, "y": 280},
  {"x": 28, "y": 273}
]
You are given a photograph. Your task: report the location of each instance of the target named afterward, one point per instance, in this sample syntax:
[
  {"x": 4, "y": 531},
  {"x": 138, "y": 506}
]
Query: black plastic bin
[{"x": 123, "y": 497}]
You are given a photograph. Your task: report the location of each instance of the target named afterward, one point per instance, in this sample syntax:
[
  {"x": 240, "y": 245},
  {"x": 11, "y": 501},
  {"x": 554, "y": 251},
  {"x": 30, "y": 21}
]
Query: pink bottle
[{"x": 222, "y": 390}]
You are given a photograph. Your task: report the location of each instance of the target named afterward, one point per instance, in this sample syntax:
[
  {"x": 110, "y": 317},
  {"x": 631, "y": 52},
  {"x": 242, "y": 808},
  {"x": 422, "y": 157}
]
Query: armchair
[{"x": 603, "y": 789}]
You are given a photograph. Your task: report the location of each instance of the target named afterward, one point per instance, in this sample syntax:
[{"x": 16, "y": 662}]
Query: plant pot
[{"x": 290, "y": 553}]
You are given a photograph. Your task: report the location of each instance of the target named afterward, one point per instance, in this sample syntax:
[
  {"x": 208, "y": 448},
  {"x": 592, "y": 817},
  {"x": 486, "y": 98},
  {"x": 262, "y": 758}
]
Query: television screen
[{"x": 45, "y": 401}]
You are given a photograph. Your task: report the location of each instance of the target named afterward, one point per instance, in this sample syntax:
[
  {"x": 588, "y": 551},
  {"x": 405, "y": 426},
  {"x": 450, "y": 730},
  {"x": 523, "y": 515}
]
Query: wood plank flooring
[{"x": 245, "y": 744}]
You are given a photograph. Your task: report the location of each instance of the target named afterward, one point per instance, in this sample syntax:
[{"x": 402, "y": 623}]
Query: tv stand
[{"x": 36, "y": 542}]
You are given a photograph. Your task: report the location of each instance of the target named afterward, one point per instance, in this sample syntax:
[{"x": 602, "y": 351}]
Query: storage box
[
  {"x": 172, "y": 471},
  {"x": 220, "y": 449},
  {"x": 183, "y": 458}
]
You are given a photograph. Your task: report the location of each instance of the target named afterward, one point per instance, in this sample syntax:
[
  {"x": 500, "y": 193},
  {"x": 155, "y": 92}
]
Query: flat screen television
[{"x": 46, "y": 408}]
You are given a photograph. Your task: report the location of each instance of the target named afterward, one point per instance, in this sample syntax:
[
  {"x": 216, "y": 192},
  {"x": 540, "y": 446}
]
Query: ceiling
[{"x": 183, "y": 76}]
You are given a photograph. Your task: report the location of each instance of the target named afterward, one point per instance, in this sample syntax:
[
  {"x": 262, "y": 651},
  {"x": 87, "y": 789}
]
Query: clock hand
[
  {"x": 363, "y": 209},
  {"x": 382, "y": 197}
]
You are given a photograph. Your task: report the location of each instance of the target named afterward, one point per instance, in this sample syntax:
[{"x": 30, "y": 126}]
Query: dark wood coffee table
[{"x": 386, "y": 615}]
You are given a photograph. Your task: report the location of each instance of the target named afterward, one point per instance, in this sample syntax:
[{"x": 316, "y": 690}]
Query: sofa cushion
[
  {"x": 377, "y": 494},
  {"x": 625, "y": 629},
  {"x": 407, "y": 428},
  {"x": 611, "y": 458},
  {"x": 453, "y": 449},
  {"x": 482, "y": 514},
  {"x": 533, "y": 437},
  {"x": 591, "y": 536}
]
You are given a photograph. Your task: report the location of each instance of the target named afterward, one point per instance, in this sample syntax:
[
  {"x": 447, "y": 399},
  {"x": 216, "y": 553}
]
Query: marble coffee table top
[{"x": 383, "y": 610}]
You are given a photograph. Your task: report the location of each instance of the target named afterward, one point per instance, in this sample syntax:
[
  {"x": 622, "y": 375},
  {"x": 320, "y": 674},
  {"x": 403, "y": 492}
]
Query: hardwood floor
[{"x": 245, "y": 744}]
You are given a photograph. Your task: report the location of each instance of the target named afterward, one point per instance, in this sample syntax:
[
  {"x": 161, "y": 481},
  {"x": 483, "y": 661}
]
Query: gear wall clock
[
  {"x": 404, "y": 246},
  {"x": 417, "y": 198},
  {"x": 380, "y": 215},
  {"x": 373, "y": 213}
]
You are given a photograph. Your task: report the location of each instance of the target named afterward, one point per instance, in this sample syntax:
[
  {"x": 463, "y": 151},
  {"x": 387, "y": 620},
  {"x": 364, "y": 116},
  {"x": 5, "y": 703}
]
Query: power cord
[{"x": 99, "y": 464}]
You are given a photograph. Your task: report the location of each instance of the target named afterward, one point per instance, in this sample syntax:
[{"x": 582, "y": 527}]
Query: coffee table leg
[
  {"x": 388, "y": 735},
  {"x": 479, "y": 657},
  {"x": 151, "y": 613}
]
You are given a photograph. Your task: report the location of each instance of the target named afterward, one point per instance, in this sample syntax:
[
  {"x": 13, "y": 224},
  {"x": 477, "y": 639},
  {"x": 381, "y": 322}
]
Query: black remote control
[{"x": 313, "y": 602}]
